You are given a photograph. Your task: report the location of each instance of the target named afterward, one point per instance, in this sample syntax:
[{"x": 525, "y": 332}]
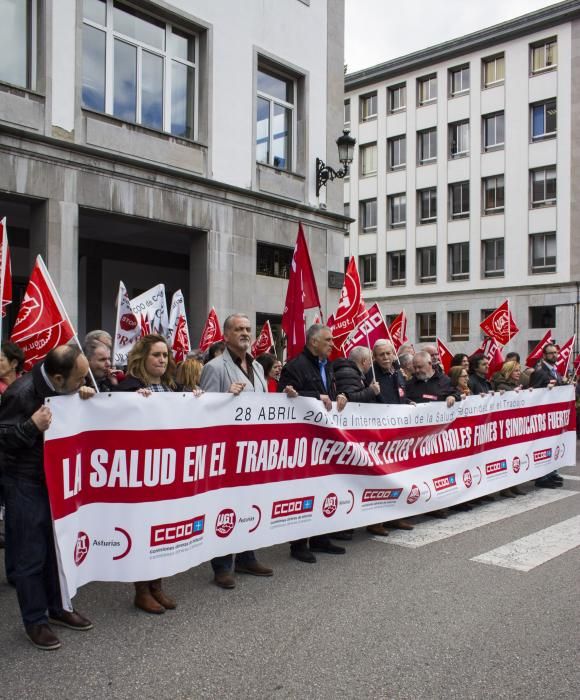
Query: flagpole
[
  {"x": 371, "y": 352},
  {"x": 48, "y": 278}
]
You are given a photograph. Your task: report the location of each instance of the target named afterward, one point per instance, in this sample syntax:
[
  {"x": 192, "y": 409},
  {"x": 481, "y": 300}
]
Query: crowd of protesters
[{"x": 380, "y": 376}]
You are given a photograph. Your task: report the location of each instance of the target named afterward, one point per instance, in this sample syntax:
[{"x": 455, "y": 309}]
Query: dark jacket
[
  {"x": 351, "y": 382},
  {"x": 542, "y": 376},
  {"x": 21, "y": 442},
  {"x": 437, "y": 388},
  {"x": 392, "y": 385},
  {"x": 131, "y": 383},
  {"x": 479, "y": 385},
  {"x": 501, "y": 384},
  {"x": 302, "y": 372}
]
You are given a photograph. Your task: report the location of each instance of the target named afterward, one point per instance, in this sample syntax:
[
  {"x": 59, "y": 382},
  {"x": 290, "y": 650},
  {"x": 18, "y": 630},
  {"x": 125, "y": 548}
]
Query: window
[
  {"x": 493, "y": 194},
  {"x": 273, "y": 260},
  {"x": 542, "y": 253},
  {"x": 367, "y": 266},
  {"x": 347, "y": 209},
  {"x": 347, "y": 111},
  {"x": 18, "y": 41},
  {"x": 397, "y": 268},
  {"x": 459, "y": 139},
  {"x": 397, "y": 210},
  {"x": 427, "y": 89},
  {"x": 397, "y": 97},
  {"x": 427, "y": 265},
  {"x": 276, "y": 116},
  {"x": 493, "y": 131},
  {"x": 493, "y": 258},
  {"x": 542, "y": 316},
  {"x": 458, "y": 325},
  {"x": 459, "y": 200},
  {"x": 427, "y": 203},
  {"x": 426, "y": 327},
  {"x": 368, "y": 159},
  {"x": 544, "y": 55},
  {"x": 543, "y": 186},
  {"x": 368, "y": 107},
  {"x": 493, "y": 70},
  {"x": 397, "y": 152},
  {"x": 459, "y": 80},
  {"x": 427, "y": 146},
  {"x": 368, "y": 215},
  {"x": 459, "y": 261},
  {"x": 150, "y": 76},
  {"x": 544, "y": 118}
]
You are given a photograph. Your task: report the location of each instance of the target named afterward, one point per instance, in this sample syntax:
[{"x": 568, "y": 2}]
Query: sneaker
[
  {"x": 73, "y": 620},
  {"x": 42, "y": 637}
]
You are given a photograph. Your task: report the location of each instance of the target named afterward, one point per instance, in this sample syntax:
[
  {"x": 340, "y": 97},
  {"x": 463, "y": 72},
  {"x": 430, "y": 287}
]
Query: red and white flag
[
  {"x": 5, "y": 270},
  {"x": 127, "y": 328},
  {"x": 564, "y": 355},
  {"x": 351, "y": 309},
  {"x": 145, "y": 324},
  {"x": 42, "y": 322},
  {"x": 492, "y": 351},
  {"x": 301, "y": 294},
  {"x": 500, "y": 324},
  {"x": 178, "y": 329},
  {"x": 264, "y": 341},
  {"x": 398, "y": 331},
  {"x": 445, "y": 355},
  {"x": 536, "y": 355},
  {"x": 212, "y": 332},
  {"x": 367, "y": 333}
]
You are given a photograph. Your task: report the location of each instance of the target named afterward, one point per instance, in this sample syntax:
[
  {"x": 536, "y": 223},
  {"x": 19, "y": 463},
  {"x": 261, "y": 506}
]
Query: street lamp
[{"x": 324, "y": 172}]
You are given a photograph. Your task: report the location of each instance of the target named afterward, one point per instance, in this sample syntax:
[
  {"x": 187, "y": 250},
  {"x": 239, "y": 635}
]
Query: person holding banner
[
  {"x": 11, "y": 364},
  {"x": 150, "y": 369},
  {"x": 23, "y": 420}
]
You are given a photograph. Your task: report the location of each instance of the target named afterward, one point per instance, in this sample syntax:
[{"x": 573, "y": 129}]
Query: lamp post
[{"x": 324, "y": 173}]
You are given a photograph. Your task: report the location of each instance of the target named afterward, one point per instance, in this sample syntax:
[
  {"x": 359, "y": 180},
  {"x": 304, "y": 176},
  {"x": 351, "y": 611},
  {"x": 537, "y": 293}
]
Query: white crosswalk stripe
[
  {"x": 571, "y": 477},
  {"x": 535, "y": 549},
  {"x": 433, "y": 530}
]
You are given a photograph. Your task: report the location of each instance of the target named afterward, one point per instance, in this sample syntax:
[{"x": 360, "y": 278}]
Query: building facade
[
  {"x": 170, "y": 142},
  {"x": 464, "y": 188}
]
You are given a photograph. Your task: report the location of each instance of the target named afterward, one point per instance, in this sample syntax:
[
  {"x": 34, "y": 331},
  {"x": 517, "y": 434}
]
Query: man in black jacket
[
  {"x": 351, "y": 376},
  {"x": 391, "y": 383},
  {"x": 23, "y": 420},
  {"x": 478, "y": 382},
  {"x": 546, "y": 376},
  {"x": 310, "y": 374},
  {"x": 426, "y": 385}
]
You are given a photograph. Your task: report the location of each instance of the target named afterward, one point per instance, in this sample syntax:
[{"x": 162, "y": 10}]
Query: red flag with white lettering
[
  {"x": 536, "y": 355},
  {"x": 500, "y": 324},
  {"x": 264, "y": 341},
  {"x": 445, "y": 355},
  {"x": 178, "y": 329},
  {"x": 367, "y": 333},
  {"x": 564, "y": 355},
  {"x": 398, "y": 331},
  {"x": 42, "y": 322},
  {"x": 493, "y": 352},
  {"x": 127, "y": 328},
  {"x": 350, "y": 311},
  {"x": 212, "y": 332}
]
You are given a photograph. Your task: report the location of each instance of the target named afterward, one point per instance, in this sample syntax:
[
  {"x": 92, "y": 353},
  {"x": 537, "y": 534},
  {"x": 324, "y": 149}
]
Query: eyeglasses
[{"x": 463, "y": 376}]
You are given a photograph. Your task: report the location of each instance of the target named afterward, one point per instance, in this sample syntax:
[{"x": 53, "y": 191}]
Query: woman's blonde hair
[
  {"x": 138, "y": 356},
  {"x": 189, "y": 373},
  {"x": 507, "y": 368}
]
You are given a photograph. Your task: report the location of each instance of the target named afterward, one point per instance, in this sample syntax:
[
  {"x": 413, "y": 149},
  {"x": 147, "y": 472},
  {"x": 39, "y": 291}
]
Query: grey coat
[{"x": 219, "y": 374}]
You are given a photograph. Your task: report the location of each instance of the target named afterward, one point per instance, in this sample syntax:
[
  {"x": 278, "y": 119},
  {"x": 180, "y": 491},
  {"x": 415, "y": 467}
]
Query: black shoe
[
  {"x": 545, "y": 484},
  {"x": 42, "y": 637},
  {"x": 344, "y": 536},
  {"x": 556, "y": 477},
  {"x": 327, "y": 548},
  {"x": 304, "y": 555}
]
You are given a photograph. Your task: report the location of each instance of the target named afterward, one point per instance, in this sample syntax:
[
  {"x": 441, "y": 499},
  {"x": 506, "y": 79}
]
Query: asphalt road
[{"x": 385, "y": 621}]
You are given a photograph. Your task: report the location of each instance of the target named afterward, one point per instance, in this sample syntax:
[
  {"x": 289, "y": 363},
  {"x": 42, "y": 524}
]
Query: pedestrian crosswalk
[{"x": 522, "y": 554}]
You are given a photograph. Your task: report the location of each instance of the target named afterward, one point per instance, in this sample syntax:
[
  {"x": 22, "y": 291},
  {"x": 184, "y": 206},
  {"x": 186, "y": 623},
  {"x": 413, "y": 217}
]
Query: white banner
[
  {"x": 143, "y": 487},
  {"x": 152, "y": 306}
]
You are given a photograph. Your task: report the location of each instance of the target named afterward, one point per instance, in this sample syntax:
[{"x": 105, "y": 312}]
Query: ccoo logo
[
  {"x": 81, "y": 548},
  {"x": 225, "y": 522},
  {"x": 330, "y": 505}
]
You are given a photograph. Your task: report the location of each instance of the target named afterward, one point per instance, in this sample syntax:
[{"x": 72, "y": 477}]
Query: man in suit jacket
[{"x": 233, "y": 372}]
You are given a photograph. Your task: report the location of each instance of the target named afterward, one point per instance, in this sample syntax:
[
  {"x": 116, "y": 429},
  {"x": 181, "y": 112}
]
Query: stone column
[{"x": 198, "y": 285}]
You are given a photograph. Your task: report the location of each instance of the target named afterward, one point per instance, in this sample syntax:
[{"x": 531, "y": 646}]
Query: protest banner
[{"x": 145, "y": 487}]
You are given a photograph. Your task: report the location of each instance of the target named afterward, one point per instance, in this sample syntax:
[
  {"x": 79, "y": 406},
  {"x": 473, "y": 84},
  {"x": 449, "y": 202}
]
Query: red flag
[
  {"x": 145, "y": 324},
  {"x": 577, "y": 363},
  {"x": 42, "y": 322},
  {"x": 500, "y": 324},
  {"x": 492, "y": 351},
  {"x": 302, "y": 259},
  {"x": 5, "y": 269},
  {"x": 398, "y": 331},
  {"x": 373, "y": 327},
  {"x": 264, "y": 341},
  {"x": 536, "y": 355},
  {"x": 564, "y": 355},
  {"x": 212, "y": 332},
  {"x": 445, "y": 355},
  {"x": 350, "y": 311}
]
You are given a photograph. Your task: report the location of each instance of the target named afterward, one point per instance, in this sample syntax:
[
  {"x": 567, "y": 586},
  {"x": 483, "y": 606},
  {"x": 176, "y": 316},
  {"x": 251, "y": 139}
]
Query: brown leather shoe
[
  {"x": 518, "y": 491},
  {"x": 507, "y": 493},
  {"x": 145, "y": 601},
  {"x": 224, "y": 579},
  {"x": 378, "y": 529},
  {"x": 42, "y": 637},
  {"x": 442, "y": 514},
  {"x": 160, "y": 596},
  {"x": 402, "y": 525},
  {"x": 254, "y": 568},
  {"x": 73, "y": 620}
]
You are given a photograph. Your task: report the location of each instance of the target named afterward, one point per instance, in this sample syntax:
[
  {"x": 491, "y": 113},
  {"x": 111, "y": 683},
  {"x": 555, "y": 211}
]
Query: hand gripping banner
[{"x": 144, "y": 487}]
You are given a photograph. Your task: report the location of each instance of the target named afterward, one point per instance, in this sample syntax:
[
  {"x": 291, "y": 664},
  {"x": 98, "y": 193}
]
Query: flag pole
[{"x": 371, "y": 352}]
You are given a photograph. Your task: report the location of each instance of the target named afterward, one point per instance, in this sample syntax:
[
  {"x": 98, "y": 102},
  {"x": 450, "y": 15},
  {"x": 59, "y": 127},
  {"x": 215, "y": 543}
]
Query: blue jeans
[
  {"x": 34, "y": 557},
  {"x": 226, "y": 563}
]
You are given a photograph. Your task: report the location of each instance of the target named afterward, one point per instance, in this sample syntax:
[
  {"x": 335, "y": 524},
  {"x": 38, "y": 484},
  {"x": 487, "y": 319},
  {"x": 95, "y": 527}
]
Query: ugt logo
[{"x": 81, "y": 548}]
